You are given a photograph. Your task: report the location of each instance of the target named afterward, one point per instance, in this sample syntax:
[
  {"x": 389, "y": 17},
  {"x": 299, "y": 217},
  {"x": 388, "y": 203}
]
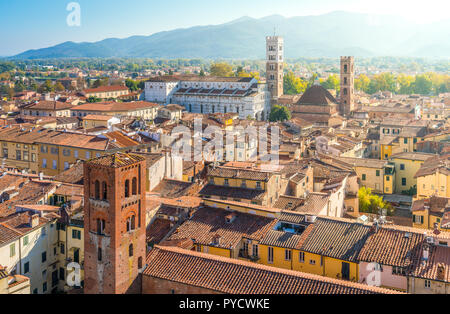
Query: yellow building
[
  {"x": 406, "y": 167},
  {"x": 378, "y": 175},
  {"x": 431, "y": 213},
  {"x": 242, "y": 185},
  {"x": 99, "y": 121},
  {"x": 139, "y": 109},
  {"x": 19, "y": 149},
  {"x": 433, "y": 178},
  {"x": 13, "y": 284},
  {"x": 107, "y": 92}
]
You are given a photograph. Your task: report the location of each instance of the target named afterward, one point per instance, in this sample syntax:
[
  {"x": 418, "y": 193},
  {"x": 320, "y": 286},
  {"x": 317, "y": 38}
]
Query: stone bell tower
[
  {"x": 114, "y": 224},
  {"x": 347, "y": 94},
  {"x": 275, "y": 66}
]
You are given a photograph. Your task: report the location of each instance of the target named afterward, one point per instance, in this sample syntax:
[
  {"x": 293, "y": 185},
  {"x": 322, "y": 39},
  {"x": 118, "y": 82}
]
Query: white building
[{"x": 242, "y": 95}]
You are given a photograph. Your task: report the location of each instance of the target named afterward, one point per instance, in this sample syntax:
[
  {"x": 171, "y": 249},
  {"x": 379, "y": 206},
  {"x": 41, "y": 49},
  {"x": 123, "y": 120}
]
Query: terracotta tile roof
[
  {"x": 103, "y": 89},
  {"x": 413, "y": 156},
  {"x": 232, "y": 173},
  {"x": 74, "y": 140},
  {"x": 97, "y": 117},
  {"x": 30, "y": 193},
  {"x": 158, "y": 230},
  {"x": 8, "y": 234},
  {"x": 114, "y": 106},
  {"x": 173, "y": 188},
  {"x": 289, "y": 203},
  {"x": 73, "y": 175},
  {"x": 50, "y": 105},
  {"x": 22, "y": 134},
  {"x": 239, "y": 277},
  {"x": 120, "y": 140},
  {"x": 336, "y": 239},
  {"x": 436, "y": 205},
  {"x": 207, "y": 223},
  {"x": 292, "y": 217},
  {"x": 436, "y": 268},
  {"x": 117, "y": 160},
  {"x": 20, "y": 222},
  {"x": 439, "y": 164},
  {"x": 281, "y": 239},
  {"x": 317, "y": 95},
  {"x": 232, "y": 192},
  {"x": 392, "y": 247}
]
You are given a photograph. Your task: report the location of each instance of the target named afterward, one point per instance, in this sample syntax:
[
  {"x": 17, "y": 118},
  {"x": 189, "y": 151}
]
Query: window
[
  {"x": 18, "y": 155},
  {"x": 127, "y": 188},
  {"x": 54, "y": 165},
  {"x": 405, "y": 140},
  {"x": 378, "y": 173},
  {"x": 364, "y": 177},
  {"x": 301, "y": 257},
  {"x": 62, "y": 248},
  {"x": 130, "y": 250},
  {"x": 99, "y": 254},
  {"x": 227, "y": 182},
  {"x": 140, "y": 262},
  {"x": 427, "y": 284},
  {"x": 258, "y": 185},
  {"x": 312, "y": 262},
  {"x": 101, "y": 226},
  {"x": 104, "y": 191},
  {"x": 26, "y": 267},
  {"x": 287, "y": 255},
  {"x": 388, "y": 178},
  {"x": 76, "y": 234},
  {"x": 97, "y": 190},
  {"x": 404, "y": 181},
  {"x": 33, "y": 157},
  {"x": 44, "y": 257},
  {"x": 54, "y": 150},
  {"x": 26, "y": 156},
  {"x": 396, "y": 270},
  {"x": 62, "y": 274},
  {"x": 402, "y": 167},
  {"x": 134, "y": 186},
  {"x": 66, "y": 152},
  {"x": 66, "y": 165},
  {"x": 75, "y": 153},
  {"x": 25, "y": 240},
  {"x": 44, "y": 287},
  {"x": 418, "y": 219},
  {"x": 12, "y": 250},
  {"x": 88, "y": 155},
  {"x": 5, "y": 153},
  {"x": 44, "y": 149},
  {"x": 255, "y": 250},
  {"x": 270, "y": 255}
]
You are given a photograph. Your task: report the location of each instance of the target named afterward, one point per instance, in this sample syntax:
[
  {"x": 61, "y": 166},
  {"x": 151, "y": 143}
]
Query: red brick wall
[{"x": 117, "y": 273}]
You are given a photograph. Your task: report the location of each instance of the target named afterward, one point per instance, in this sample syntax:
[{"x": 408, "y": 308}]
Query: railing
[{"x": 244, "y": 254}]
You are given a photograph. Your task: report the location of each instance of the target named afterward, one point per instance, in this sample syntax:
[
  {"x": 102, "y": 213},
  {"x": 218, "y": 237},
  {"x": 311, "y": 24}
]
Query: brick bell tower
[
  {"x": 347, "y": 86},
  {"x": 275, "y": 66},
  {"x": 114, "y": 224}
]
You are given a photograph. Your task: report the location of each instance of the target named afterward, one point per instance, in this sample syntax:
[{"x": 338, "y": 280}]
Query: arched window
[
  {"x": 99, "y": 254},
  {"x": 345, "y": 68},
  {"x": 127, "y": 188},
  {"x": 130, "y": 250},
  {"x": 97, "y": 190},
  {"x": 140, "y": 262},
  {"x": 128, "y": 225},
  {"x": 104, "y": 191},
  {"x": 133, "y": 223},
  {"x": 101, "y": 226},
  {"x": 134, "y": 186},
  {"x": 345, "y": 91}
]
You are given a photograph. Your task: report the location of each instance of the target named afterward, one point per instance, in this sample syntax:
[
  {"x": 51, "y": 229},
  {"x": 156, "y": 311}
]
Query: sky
[{"x": 34, "y": 24}]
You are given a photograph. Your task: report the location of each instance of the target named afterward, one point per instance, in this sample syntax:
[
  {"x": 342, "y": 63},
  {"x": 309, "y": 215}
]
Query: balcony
[{"x": 245, "y": 255}]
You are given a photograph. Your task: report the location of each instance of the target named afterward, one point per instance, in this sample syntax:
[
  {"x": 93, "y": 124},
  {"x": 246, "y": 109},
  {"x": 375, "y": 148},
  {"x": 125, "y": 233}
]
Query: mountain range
[{"x": 329, "y": 35}]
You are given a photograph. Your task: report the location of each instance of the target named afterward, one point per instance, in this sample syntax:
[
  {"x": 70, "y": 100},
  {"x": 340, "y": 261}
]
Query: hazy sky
[{"x": 31, "y": 24}]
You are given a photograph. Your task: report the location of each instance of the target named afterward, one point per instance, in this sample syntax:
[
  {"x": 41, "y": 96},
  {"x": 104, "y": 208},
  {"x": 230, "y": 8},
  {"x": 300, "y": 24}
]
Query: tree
[
  {"x": 294, "y": 85},
  {"x": 47, "y": 87},
  {"x": 93, "y": 99},
  {"x": 132, "y": 85},
  {"x": 59, "y": 87},
  {"x": 280, "y": 113},
  {"x": 202, "y": 73},
  {"x": 362, "y": 83},
  {"x": 221, "y": 69},
  {"x": 371, "y": 203},
  {"x": 332, "y": 82},
  {"x": 19, "y": 87},
  {"x": 422, "y": 85}
]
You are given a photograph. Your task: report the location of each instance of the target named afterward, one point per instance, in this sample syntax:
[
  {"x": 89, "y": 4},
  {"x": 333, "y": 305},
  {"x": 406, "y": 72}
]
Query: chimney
[
  {"x": 41, "y": 176},
  {"x": 34, "y": 221}
]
